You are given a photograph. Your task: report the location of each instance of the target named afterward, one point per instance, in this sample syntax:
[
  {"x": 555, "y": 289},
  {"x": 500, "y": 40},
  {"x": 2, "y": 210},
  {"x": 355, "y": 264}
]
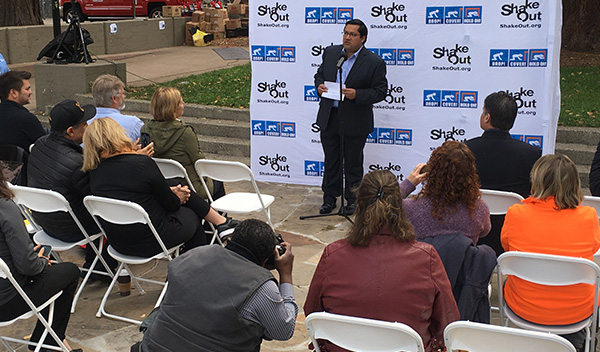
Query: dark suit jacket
[
  {"x": 503, "y": 163},
  {"x": 367, "y": 77},
  {"x": 595, "y": 174}
]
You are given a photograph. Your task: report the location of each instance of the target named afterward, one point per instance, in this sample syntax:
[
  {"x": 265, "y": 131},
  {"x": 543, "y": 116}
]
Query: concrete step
[
  {"x": 222, "y": 146},
  {"x": 223, "y": 128},
  {"x": 584, "y": 176},
  {"x": 580, "y": 135},
  {"x": 581, "y": 154}
]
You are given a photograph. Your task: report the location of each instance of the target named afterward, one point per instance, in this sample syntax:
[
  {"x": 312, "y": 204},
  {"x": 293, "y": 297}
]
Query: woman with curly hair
[
  {"x": 380, "y": 272},
  {"x": 450, "y": 199}
]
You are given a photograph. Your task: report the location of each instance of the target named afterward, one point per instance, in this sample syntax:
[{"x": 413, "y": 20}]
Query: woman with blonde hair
[
  {"x": 450, "y": 200},
  {"x": 380, "y": 272},
  {"x": 116, "y": 171},
  {"x": 174, "y": 139},
  {"x": 552, "y": 221}
]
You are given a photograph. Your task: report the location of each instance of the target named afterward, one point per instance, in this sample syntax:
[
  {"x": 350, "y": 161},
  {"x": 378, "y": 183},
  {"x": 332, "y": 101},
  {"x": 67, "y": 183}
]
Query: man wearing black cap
[{"x": 55, "y": 163}]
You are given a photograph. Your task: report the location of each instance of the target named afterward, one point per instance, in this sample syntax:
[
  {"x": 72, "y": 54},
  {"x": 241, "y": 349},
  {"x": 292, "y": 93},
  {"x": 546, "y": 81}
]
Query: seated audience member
[
  {"x": 39, "y": 277},
  {"x": 17, "y": 125},
  {"x": 450, "y": 201},
  {"x": 380, "y": 272},
  {"x": 174, "y": 139},
  {"x": 55, "y": 164},
  {"x": 595, "y": 174},
  {"x": 243, "y": 305},
  {"x": 109, "y": 95},
  {"x": 552, "y": 221},
  {"x": 116, "y": 171},
  {"x": 503, "y": 162}
]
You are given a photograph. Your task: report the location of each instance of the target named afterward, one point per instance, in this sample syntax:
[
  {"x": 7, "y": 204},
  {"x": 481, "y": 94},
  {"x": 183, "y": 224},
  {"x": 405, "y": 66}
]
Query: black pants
[
  {"x": 493, "y": 237},
  {"x": 54, "y": 278},
  {"x": 182, "y": 226},
  {"x": 353, "y": 160}
]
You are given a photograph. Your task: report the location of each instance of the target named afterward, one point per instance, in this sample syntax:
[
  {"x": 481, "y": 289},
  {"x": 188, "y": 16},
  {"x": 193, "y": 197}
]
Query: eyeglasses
[{"x": 352, "y": 34}]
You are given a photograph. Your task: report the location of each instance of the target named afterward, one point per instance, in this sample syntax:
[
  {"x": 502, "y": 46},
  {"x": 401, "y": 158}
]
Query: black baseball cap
[{"x": 70, "y": 113}]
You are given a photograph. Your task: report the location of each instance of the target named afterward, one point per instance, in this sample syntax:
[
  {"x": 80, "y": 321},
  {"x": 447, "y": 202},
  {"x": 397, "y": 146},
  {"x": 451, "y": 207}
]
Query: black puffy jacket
[{"x": 55, "y": 163}]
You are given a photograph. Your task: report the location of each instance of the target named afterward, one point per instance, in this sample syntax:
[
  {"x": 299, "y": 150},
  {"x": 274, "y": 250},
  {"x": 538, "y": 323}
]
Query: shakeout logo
[
  {"x": 394, "y": 14},
  {"x": 396, "y": 57},
  {"x": 390, "y": 136},
  {"x": 310, "y": 94},
  {"x": 278, "y": 165},
  {"x": 396, "y": 169},
  {"x": 450, "y": 98},
  {"x": 523, "y": 15},
  {"x": 313, "y": 168},
  {"x": 534, "y": 140},
  {"x": 453, "y": 15},
  {"x": 518, "y": 57},
  {"x": 277, "y": 92},
  {"x": 525, "y": 99},
  {"x": 328, "y": 15},
  {"x": 269, "y": 128},
  {"x": 276, "y": 15},
  {"x": 452, "y": 134},
  {"x": 394, "y": 99},
  {"x": 455, "y": 58},
  {"x": 273, "y": 53}
]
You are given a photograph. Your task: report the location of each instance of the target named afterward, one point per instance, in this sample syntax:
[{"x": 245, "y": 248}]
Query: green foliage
[
  {"x": 580, "y": 91},
  {"x": 580, "y": 96},
  {"x": 228, "y": 87}
]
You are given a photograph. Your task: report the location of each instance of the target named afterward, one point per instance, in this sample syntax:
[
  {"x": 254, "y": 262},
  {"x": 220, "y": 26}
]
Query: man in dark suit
[
  {"x": 363, "y": 74},
  {"x": 503, "y": 163}
]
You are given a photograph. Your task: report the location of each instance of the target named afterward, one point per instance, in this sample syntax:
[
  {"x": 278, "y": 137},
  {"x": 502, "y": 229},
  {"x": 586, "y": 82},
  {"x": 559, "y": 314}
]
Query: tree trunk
[
  {"x": 581, "y": 28},
  {"x": 20, "y": 13}
]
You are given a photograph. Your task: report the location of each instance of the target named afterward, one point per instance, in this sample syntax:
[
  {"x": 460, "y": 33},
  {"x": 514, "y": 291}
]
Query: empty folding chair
[
  {"x": 46, "y": 201},
  {"x": 124, "y": 213},
  {"x": 478, "y": 337},
  {"x": 7, "y": 275},
  {"x": 360, "y": 334},
  {"x": 236, "y": 202}
]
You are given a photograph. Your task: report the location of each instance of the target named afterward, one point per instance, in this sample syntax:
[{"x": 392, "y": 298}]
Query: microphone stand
[{"x": 342, "y": 210}]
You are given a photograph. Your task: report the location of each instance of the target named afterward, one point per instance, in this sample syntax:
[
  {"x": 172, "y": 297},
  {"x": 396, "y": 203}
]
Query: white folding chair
[
  {"x": 499, "y": 201},
  {"x": 173, "y": 169},
  {"x": 360, "y": 334},
  {"x": 478, "y": 337},
  {"x": 236, "y": 202},
  {"x": 7, "y": 275},
  {"x": 593, "y": 202},
  {"x": 124, "y": 213},
  {"x": 550, "y": 270},
  {"x": 47, "y": 201}
]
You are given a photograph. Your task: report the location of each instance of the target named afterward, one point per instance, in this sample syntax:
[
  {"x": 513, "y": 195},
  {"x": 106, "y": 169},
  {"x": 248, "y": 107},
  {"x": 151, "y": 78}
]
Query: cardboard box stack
[
  {"x": 217, "y": 18},
  {"x": 171, "y": 11},
  {"x": 238, "y": 11}
]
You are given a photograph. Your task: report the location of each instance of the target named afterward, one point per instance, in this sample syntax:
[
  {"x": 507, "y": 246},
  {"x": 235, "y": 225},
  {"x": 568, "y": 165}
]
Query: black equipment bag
[{"x": 68, "y": 52}]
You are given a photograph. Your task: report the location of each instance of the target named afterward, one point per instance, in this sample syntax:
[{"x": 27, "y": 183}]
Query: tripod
[
  {"x": 342, "y": 210},
  {"x": 75, "y": 26}
]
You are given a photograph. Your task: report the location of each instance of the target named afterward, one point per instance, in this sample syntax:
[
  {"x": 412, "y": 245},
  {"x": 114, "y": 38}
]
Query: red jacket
[{"x": 387, "y": 280}]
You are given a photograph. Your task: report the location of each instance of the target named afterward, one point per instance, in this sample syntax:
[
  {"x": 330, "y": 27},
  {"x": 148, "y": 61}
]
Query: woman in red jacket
[
  {"x": 552, "y": 221},
  {"x": 380, "y": 272}
]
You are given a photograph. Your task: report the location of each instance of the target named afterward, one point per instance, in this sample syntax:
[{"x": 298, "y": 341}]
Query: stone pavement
[{"x": 308, "y": 238}]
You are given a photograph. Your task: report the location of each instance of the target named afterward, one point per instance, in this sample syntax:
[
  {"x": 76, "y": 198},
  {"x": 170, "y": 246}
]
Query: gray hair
[{"x": 106, "y": 87}]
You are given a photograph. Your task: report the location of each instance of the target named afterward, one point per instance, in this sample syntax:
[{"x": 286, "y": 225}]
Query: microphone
[{"x": 341, "y": 60}]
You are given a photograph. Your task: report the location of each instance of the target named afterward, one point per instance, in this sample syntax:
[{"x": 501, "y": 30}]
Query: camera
[{"x": 280, "y": 249}]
